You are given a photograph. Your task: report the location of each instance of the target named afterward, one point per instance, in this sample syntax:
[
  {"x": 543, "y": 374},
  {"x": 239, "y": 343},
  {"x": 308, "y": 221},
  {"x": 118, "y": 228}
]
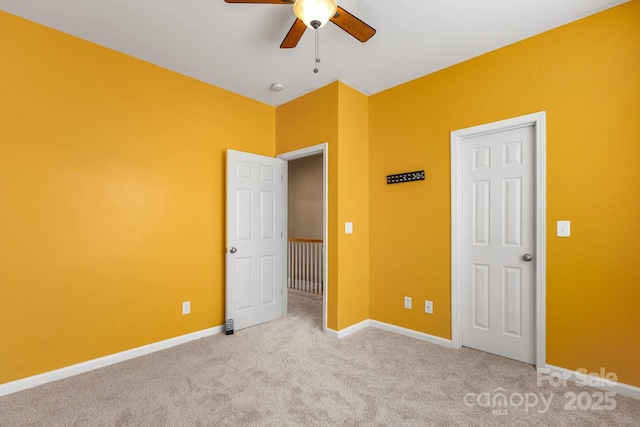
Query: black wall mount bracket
[{"x": 405, "y": 177}]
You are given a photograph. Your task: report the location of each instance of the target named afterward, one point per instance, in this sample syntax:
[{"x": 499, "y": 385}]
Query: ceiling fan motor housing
[{"x": 315, "y": 13}]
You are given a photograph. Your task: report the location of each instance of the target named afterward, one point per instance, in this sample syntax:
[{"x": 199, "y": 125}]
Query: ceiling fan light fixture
[{"x": 313, "y": 11}]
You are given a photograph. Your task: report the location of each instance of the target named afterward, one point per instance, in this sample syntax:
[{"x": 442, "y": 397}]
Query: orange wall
[
  {"x": 306, "y": 121},
  {"x": 112, "y": 191},
  {"x": 338, "y": 115},
  {"x": 586, "y": 76},
  {"x": 353, "y": 202},
  {"x": 111, "y": 198}
]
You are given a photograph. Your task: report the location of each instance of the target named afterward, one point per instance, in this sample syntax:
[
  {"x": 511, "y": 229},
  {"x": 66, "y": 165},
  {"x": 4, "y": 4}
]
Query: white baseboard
[
  {"x": 391, "y": 328},
  {"x": 347, "y": 331},
  {"x": 90, "y": 365},
  {"x": 592, "y": 381},
  {"x": 101, "y": 362},
  {"x": 561, "y": 373},
  {"x": 411, "y": 333}
]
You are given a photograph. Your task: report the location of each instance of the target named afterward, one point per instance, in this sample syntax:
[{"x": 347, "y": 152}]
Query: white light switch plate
[
  {"x": 564, "y": 229},
  {"x": 348, "y": 228}
]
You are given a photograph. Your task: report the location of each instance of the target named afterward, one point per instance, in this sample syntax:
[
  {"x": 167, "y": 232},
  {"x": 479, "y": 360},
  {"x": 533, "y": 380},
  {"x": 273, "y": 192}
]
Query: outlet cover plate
[
  {"x": 186, "y": 307},
  {"x": 428, "y": 307},
  {"x": 564, "y": 229}
]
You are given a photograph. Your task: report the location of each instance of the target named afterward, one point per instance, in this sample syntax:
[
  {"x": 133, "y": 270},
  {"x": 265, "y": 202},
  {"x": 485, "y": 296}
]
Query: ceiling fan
[{"x": 306, "y": 17}]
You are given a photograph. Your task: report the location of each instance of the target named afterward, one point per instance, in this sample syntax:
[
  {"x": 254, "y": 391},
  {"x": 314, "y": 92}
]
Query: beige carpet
[{"x": 288, "y": 373}]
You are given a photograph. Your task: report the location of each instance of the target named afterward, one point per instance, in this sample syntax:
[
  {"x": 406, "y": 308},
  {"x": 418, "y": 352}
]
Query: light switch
[
  {"x": 564, "y": 228},
  {"x": 348, "y": 228}
]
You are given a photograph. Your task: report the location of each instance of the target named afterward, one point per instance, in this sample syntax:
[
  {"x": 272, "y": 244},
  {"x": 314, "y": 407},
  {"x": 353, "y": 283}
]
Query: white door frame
[
  {"x": 538, "y": 120},
  {"x": 297, "y": 154}
]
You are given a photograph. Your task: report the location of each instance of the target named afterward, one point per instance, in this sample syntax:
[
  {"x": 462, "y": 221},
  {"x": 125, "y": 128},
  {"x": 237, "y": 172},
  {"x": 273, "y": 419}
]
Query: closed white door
[
  {"x": 255, "y": 244},
  {"x": 498, "y": 259}
]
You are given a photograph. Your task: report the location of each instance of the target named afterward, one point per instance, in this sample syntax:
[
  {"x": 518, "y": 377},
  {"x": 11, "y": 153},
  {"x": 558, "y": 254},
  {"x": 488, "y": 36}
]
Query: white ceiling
[{"x": 236, "y": 46}]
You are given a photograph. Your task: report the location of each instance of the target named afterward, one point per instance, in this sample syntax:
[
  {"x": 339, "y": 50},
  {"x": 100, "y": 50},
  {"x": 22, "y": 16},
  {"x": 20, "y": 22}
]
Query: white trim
[
  {"x": 540, "y": 124},
  {"x": 390, "y": 328},
  {"x": 592, "y": 381},
  {"x": 90, "y": 365},
  {"x": 351, "y": 329},
  {"x": 285, "y": 238},
  {"x": 303, "y": 152},
  {"x": 101, "y": 362},
  {"x": 411, "y": 333},
  {"x": 297, "y": 154},
  {"x": 538, "y": 120}
]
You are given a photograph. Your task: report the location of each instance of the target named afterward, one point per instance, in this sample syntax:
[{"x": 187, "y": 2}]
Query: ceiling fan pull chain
[{"x": 315, "y": 70}]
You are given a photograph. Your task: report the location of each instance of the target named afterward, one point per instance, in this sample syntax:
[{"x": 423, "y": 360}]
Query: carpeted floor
[{"x": 288, "y": 373}]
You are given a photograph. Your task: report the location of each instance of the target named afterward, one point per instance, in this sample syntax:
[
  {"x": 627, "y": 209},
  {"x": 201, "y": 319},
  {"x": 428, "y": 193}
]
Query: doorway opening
[{"x": 306, "y": 219}]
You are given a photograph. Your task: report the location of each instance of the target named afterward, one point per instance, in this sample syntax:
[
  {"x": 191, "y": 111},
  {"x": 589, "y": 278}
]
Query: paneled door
[
  {"x": 498, "y": 259},
  {"x": 255, "y": 256}
]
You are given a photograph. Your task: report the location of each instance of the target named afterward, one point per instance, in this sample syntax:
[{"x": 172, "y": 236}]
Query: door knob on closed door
[
  {"x": 527, "y": 257},
  {"x": 233, "y": 250}
]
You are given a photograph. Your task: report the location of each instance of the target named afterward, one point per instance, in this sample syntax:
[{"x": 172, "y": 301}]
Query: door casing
[{"x": 538, "y": 121}]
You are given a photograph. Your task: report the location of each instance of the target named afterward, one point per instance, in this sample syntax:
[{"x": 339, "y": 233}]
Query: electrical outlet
[
  {"x": 407, "y": 302},
  {"x": 563, "y": 229},
  {"x": 186, "y": 307},
  {"x": 428, "y": 307}
]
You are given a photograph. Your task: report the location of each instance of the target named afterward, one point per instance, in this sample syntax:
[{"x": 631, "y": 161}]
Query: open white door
[{"x": 255, "y": 258}]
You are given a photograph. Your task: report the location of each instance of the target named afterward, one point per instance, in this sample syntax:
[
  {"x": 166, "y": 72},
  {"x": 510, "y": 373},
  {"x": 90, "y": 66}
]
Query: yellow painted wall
[
  {"x": 338, "y": 115},
  {"x": 112, "y": 191},
  {"x": 111, "y": 198},
  {"x": 353, "y": 206},
  {"x": 306, "y": 121},
  {"x": 586, "y": 76}
]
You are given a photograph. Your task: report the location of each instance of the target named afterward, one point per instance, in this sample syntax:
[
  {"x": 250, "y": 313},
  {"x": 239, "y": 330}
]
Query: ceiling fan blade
[
  {"x": 353, "y": 25},
  {"x": 261, "y": 1},
  {"x": 293, "y": 36}
]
